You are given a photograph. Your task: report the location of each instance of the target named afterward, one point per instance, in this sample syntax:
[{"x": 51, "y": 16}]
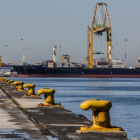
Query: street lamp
[
  {"x": 125, "y": 54},
  {"x": 74, "y": 54},
  {"x": 21, "y": 51},
  {"x": 60, "y": 53},
  {"x": 5, "y": 54}
]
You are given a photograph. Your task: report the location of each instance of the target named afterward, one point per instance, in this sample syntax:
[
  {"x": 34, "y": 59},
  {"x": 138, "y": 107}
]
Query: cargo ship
[
  {"x": 50, "y": 68},
  {"x": 44, "y": 71}
]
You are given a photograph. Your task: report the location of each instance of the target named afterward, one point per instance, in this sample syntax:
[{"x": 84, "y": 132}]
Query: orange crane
[{"x": 97, "y": 27}]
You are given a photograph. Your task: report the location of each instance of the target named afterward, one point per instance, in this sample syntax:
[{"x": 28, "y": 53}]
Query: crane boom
[{"x": 102, "y": 26}]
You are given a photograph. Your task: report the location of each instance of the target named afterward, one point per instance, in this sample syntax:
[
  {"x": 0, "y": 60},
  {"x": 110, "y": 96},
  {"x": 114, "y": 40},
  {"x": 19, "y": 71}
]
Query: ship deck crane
[
  {"x": 67, "y": 57},
  {"x": 97, "y": 27}
]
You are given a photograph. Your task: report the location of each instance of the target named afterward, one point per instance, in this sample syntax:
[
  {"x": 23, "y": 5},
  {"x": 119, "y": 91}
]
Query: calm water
[{"x": 124, "y": 93}]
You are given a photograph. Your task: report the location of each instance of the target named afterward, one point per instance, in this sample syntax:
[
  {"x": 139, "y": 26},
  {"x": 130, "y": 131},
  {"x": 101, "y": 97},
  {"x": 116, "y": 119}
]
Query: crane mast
[
  {"x": 90, "y": 47},
  {"x": 101, "y": 25}
]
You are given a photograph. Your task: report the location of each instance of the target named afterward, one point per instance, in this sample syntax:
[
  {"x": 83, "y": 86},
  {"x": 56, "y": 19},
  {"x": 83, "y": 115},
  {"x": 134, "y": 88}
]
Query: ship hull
[
  {"x": 40, "y": 71},
  {"x": 79, "y": 76}
]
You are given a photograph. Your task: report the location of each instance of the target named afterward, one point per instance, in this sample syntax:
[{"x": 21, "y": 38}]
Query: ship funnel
[{"x": 54, "y": 53}]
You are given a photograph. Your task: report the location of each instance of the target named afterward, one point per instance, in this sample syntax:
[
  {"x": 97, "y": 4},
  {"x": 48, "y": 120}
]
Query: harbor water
[{"x": 124, "y": 93}]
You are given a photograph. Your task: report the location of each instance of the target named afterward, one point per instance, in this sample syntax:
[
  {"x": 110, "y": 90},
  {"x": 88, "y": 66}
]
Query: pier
[{"x": 21, "y": 118}]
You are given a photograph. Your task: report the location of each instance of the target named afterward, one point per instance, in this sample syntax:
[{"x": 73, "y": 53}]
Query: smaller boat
[{"x": 8, "y": 72}]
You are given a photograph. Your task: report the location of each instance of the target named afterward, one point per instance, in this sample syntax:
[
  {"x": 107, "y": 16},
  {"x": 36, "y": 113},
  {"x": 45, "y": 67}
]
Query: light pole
[
  {"x": 5, "y": 54},
  {"x": 74, "y": 54},
  {"x": 125, "y": 54},
  {"x": 21, "y": 51},
  {"x": 60, "y": 53}
]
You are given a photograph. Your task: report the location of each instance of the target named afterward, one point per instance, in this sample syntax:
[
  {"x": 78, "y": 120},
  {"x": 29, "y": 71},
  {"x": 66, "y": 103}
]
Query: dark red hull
[{"x": 80, "y": 75}]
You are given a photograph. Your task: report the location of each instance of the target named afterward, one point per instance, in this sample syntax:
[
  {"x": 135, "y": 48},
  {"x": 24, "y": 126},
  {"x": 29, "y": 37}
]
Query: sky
[{"x": 45, "y": 23}]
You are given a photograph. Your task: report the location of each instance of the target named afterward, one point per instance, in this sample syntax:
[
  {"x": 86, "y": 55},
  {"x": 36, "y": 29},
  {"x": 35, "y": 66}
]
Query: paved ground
[
  {"x": 54, "y": 121},
  {"x": 14, "y": 123}
]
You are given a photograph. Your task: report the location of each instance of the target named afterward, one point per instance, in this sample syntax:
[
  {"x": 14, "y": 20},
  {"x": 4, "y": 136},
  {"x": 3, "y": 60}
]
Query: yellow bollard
[
  {"x": 4, "y": 79},
  {"x": 49, "y": 97},
  {"x": 31, "y": 90},
  {"x": 10, "y": 82},
  {"x": 101, "y": 117},
  {"x": 19, "y": 85},
  {"x": 1, "y": 78},
  {"x": 7, "y": 81}
]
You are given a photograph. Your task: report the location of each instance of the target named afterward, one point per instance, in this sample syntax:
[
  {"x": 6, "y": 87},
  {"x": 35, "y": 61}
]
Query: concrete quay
[
  {"x": 14, "y": 124},
  {"x": 22, "y": 114}
]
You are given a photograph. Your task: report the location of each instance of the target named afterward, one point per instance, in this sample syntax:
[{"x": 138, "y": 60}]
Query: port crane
[
  {"x": 67, "y": 57},
  {"x": 97, "y": 27}
]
